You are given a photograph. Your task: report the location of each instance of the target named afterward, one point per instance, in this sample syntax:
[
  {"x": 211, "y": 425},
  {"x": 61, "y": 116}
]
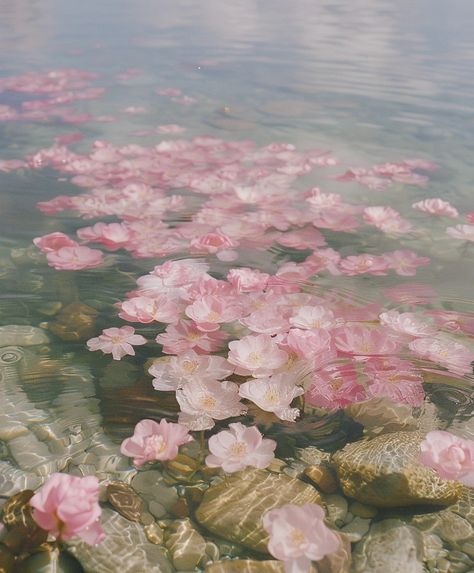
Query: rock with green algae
[
  {"x": 386, "y": 472},
  {"x": 233, "y": 509}
]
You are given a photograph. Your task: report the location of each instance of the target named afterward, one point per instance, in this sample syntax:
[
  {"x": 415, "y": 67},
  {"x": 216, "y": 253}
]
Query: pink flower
[
  {"x": 405, "y": 262},
  {"x": 146, "y": 309},
  {"x": 210, "y": 311},
  {"x": 114, "y": 236},
  {"x": 67, "y": 506},
  {"x": 258, "y": 355},
  {"x": 298, "y": 535},
  {"x": 152, "y": 441},
  {"x": 335, "y": 387},
  {"x": 309, "y": 317},
  {"x": 247, "y": 280},
  {"x": 453, "y": 355},
  {"x": 212, "y": 243},
  {"x": 407, "y": 323},
  {"x": 273, "y": 394},
  {"x": 238, "y": 447},
  {"x": 395, "y": 379},
  {"x": 53, "y": 242},
  {"x": 436, "y": 207},
  {"x": 74, "y": 258},
  {"x": 462, "y": 232},
  {"x": 172, "y": 372},
  {"x": 118, "y": 341},
  {"x": 451, "y": 456},
  {"x": 184, "y": 335},
  {"x": 312, "y": 345},
  {"x": 361, "y": 264},
  {"x": 387, "y": 220},
  {"x": 203, "y": 401},
  {"x": 364, "y": 341},
  {"x": 411, "y": 293},
  {"x": 267, "y": 321}
]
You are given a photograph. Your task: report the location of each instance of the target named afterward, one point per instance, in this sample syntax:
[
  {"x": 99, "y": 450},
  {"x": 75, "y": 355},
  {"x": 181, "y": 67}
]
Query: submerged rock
[
  {"x": 187, "y": 547},
  {"x": 234, "y": 508},
  {"x": 125, "y": 549},
  {"x": 18, "y": 334},
  {"x": 389, "y": 546},
  {"x": 385, "y": 472}
]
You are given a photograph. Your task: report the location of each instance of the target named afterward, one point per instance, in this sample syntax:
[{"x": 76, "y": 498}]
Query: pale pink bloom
[
  {"x": 74, "y": 258},
  {"x": 462, "y": 232},
  {"x": 452, "y": 355},
  {"x": 407, "y": 323},
  {"x": 362, "y": 264},
  {"x": 310, "y": 317},
  {"x": 53, "y": 242},
  {"x": 184, "y": 335},
  {"x": 247, "y": 280},
  {"x": 387, "y": 220},
  {"x": 335, "y": 220},
  {"x": 454, "y": 321},
  {"x": 404, "y": 262},
  {"x": 436, "y": 207},
  {"x": 363, "y": 341},
  {"x": 335, "y": 387},
  {"x": 206, "y": 286},
  {"x": 118, "y": 341},
  {"x": 212, "y": 243},
  {"x": 422, "y": 164},
  {"x": 312, "y": 345},
  {"x": 324, "y": 259},
  {"x": 238, "y": 447},
  {"x": 451, "y": 456},
  {"x": 267, "y": 321},
  {"x": 210, "y": 311},
  {"x": 391, "y": 169},
  {"x": 395, "y": 379},
  {"x": 113, "y": 235},
  {"x": 159, "y": 308},
  {"x": 203, "y": 401},
  {"x": 319, "y": 200},
  {"x": 155, "y": 442},
  {"x": 307, "y": 238},
  {"x": 273, "y": 394},
  {"x": 411, "y": 179},
  {"x": 470, "y": 217},
  {"x": 258, "y": 355},
  {"x": 181, "y": 272},
  {"x": 172, "y": 372},
  {"x": 67, "y": 506},
  {"x": 298, "y": 535}
]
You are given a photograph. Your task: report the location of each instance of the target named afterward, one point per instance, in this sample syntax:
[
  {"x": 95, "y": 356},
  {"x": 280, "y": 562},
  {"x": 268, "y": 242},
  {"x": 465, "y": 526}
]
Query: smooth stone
[
  {"x": 386, "y": 472},
  {"x": 356, "y": 529},
  {"x": 22, "y": 335},
  {"x": 336, "y": 507},
  {"x": 323, "y": 477},
  {"x": 150, "y": 484},
  {"x": 233, "y": 509},
  {"x": 125, "y": 500},
  {"x": 186, "y": 546},
  {"x": 125, "y": 549},
  {"x": 154, "y": 533},
  {"x": 246, "y": 566},
  {"x": 389, "y": 546},
  {"x": 50, "y": 562},
  {"x": 157, "y": 509},
  {"x": 362, "y": 510}
]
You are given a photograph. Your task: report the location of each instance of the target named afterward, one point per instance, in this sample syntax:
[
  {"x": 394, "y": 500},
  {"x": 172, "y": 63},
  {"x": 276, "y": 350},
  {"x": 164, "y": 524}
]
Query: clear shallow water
[{"x": 372, "y": 83}]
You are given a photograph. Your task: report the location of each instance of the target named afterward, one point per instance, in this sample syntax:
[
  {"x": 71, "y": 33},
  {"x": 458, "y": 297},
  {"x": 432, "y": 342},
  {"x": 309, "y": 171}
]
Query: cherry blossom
[
  {"x": 405, "y": 262},
  {"x": 203, "y": 401},
  {"x": 68, "y": 506},
  {"x": 184, "y": 335},
  {"x": 172, "y": 372},
  {"x": 436, "y": 207},
  {"x": 395, "y": 379},
  {"x": 298, "y": 535},
  {"x": 258, "y": 355},
  {"x": 238, "y": 447},
  {"x": 360, "y": 340},
  {"x": 210, "y": 311},
  {"x": 335, "y": 386},
  {"x": 149, "y": 309},
  {"x": 273, "y": 394},
  {"x": 462, "y": 232},
  {"x": 407, "y": 323},
  {"x": 456, "y": 357},
  {"x": 155, "y": 442},
  {"x": 451, "y": 456},
  {"x": 117, "y": 341},
  {"x": 74, "y": 258},
  {"x": 53, "y": 242}
]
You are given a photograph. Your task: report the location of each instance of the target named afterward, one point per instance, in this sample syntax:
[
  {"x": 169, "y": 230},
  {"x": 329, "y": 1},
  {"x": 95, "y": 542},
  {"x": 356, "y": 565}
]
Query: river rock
[
  {"x": 125, "y": 549},
  {"x": 233, "y": 509},
  {"x": 22, "y": 335},
  {"x": 389, "y": 546},
  {"x": 385, "y": 472},
  {"x": 186, "y": 546},
  {"x": 246, "y": 566}
]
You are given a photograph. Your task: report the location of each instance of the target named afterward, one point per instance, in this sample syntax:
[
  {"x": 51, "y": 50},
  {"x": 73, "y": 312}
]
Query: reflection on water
[{"x": 146, "y": 135}]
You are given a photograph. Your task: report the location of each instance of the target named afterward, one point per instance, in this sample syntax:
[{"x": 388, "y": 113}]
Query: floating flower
[
  {"x": 74, "y": 258},
  {"x": 238, "y": 447},
  {"x": 453, "y": 355},
  {"x": 273, "y": 394},
  {"x": 407, "y": 323},
  {"x": 451, "y": 456},
  {"x": 155, "y": 442},
  {"x": 117, "y": 341},
  {"x": 67, "y": 506},
  {"x": 53, "y": 242},
  {"x": 436, "y": 207},
  {"x": 335, "y": 387},
  {"x": 360, "y": 340},
  {"x": 298, "y": 535},
  {"x": 159, "y": 308},
  {"x": 203, "y": 401},
  {"x": 258, "y": 355},
  {"x": 462, "y": 232}
]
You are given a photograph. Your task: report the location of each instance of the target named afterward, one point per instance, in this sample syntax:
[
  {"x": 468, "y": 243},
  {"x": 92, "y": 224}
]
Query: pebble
[
  {"x": 356, "y": 529},
  {"x": 363, "y": 510},
  {"x": 336, "y": 507}
]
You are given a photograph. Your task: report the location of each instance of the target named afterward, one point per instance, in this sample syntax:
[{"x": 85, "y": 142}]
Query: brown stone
[
  {"x": 125, "y": 500},
  {"x": 323, "y": 477},
  {"x": 233, "y": 509}
]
